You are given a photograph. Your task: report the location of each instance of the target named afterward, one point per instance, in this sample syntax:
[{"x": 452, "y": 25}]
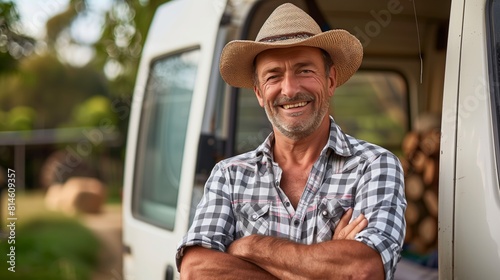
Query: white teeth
[{"x": 300, "y": 104}]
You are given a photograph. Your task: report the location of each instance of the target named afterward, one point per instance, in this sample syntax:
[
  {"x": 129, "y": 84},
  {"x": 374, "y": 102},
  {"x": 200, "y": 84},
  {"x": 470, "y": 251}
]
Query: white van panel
[
  {"x": 448, "y": 140},
  {"x": 183, "y": 25},
  {"x": 477, "y": 208},
  {"x": 469, "y": 197}
]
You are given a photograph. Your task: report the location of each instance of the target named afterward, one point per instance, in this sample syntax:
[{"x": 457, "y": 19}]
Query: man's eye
[
  {"x": 306, "y": 71},
  {"x": 270, "y": 78}
]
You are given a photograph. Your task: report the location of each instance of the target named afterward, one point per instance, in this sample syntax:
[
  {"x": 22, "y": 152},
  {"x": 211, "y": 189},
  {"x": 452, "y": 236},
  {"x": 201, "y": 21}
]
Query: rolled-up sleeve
[
  {"x": 380, "y": 197},
  {"x": 213, "y": 224}
]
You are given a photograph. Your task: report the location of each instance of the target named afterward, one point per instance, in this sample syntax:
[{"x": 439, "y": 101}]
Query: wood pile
[{"x": 421, "y": 165}]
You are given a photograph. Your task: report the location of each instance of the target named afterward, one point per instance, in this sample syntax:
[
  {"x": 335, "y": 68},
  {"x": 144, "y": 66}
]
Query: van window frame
[
  {"x": 493, "y": 53},
  {"x": 136, "y": 188}
]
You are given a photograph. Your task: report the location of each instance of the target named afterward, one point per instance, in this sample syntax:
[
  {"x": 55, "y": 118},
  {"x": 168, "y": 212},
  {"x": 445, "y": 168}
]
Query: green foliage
[
  {"x": 21, "y": 118},
  {"x": 123, "y": 36},
  {"x": 56, "y": 25},
  {"x": 365, "y": 113},
  {"x": 93, "y": 112},
  {"x": 50, "y": 88},
  {"x": 13, "y": 44},
  {"x": 51, "y": 248},
  {"x": 3, "y": 120}
]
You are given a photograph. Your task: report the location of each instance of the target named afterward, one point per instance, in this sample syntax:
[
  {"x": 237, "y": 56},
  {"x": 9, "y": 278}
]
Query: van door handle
[{"x": 169, "y": 273}]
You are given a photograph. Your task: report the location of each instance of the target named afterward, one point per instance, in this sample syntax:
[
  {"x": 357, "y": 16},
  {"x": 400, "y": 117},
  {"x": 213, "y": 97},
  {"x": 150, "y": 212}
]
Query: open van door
[{"x": 174, "y": 75}]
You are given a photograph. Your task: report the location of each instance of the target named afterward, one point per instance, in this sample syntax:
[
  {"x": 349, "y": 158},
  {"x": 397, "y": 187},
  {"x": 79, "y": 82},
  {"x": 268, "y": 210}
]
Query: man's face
[{"x": 294, "y": 89}]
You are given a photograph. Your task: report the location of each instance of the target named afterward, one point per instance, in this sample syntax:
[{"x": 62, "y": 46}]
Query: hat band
[{"x": 286, "y": 37}]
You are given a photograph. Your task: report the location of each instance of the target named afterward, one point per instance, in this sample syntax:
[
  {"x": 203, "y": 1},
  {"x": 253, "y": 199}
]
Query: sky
[
  {"x": 35, "y": 13},
  {"x": 86, "y": 30}
]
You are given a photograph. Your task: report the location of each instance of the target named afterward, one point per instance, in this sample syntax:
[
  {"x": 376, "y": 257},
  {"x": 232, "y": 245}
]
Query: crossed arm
[{"x": 266, "y": 257}]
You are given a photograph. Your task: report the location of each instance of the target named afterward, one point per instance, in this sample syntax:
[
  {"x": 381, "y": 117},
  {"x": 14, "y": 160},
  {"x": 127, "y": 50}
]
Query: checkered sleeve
[
  {"x": 380, "y": 196},
  {"x": 213, "y": 224}
]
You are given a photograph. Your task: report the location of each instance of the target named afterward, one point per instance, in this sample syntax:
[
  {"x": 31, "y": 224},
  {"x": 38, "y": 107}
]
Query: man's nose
[{"x": 290, "y": 85}]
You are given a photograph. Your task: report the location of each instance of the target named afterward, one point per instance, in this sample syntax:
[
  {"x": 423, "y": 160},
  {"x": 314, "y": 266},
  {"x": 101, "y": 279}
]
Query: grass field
[{"x": 44, "y": 244}]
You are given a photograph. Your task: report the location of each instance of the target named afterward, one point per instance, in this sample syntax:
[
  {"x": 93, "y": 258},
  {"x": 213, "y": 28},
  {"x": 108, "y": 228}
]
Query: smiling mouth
[{"x": 295, "y": 105}]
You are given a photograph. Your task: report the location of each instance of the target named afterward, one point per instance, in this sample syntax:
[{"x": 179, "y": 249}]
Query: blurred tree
[
  {"x": 119, "y": 49},
  {"x": 94, "y": 112},
  {"x": 51, "y": 88},
  {"x": 57, "y": 25},
  {"x": 13, "y": 44},
  {"x": 21, "y": 118}
]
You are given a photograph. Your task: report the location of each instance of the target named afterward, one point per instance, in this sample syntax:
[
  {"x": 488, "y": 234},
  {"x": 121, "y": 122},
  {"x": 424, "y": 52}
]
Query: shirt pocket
[
  {"x": 252, "y": 218},
  {"x": 328, "y": 215}
]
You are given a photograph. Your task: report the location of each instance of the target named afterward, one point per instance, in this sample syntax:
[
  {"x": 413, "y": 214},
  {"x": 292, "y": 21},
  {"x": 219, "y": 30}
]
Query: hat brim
[{"x": 237, "y": 58}]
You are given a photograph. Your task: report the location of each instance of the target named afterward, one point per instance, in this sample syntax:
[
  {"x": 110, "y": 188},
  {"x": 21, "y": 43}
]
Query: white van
[{"x": 424, "y": 59}]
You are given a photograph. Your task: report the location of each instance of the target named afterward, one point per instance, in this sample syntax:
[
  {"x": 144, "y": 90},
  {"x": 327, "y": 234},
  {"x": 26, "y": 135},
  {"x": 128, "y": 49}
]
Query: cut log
[
  {"x": 414, "y": 187},
  {"x": 431, "y": 202},
  {"x": 405, "y": 164},
  {"x": 430, "y": 174},
  {"x": 412, "y": 213},
  {"x": 429, "y": 144},
  {"x": 410, "y": 143},
  {"x": 418, "y": 161},
  {"x": 427, "y": 230}
]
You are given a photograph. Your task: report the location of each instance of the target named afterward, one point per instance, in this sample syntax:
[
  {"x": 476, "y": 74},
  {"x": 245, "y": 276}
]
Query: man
[{"x": 283, "y": 211}]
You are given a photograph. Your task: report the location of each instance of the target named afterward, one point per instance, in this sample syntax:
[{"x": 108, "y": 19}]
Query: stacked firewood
[{"x": 421, "y": 165}]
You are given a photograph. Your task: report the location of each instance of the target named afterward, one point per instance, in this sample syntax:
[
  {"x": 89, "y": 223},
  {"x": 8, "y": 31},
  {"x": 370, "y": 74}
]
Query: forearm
[
  {"x": 202, "y": 263},
  {"x": 338, "y": 259}
]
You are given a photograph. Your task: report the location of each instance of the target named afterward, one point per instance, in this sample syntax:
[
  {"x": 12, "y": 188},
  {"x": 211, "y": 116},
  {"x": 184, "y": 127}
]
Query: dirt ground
[{"x": 108, "y": 227}]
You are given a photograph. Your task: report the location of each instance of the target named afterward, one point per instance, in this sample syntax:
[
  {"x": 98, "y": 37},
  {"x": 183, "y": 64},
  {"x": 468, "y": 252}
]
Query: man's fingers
[
  {"x": 344, "y": 221},
  {"x": 346, "y": 230},
  {"x": 358, "y": 225},
  {"x": 341, "y": 231}
]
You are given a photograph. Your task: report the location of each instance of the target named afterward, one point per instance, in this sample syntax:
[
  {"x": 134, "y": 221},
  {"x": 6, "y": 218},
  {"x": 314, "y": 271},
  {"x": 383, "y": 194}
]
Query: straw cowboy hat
[{"x": 289, "y": 26}]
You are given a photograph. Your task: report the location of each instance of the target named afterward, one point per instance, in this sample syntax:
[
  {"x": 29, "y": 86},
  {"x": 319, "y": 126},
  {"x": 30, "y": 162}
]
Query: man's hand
[{"x": 346, "y": 230}]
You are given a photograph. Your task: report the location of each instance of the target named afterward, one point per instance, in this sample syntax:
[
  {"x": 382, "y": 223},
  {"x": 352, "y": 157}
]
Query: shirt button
[
  {"x": 255, "y": 217},
  {"x": 324, "y": 213},
  {"x": 296, "y": 222},
  {"x": 287, "y": 204}
]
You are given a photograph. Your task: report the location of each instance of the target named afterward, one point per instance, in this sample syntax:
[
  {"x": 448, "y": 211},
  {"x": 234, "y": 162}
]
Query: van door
[
  {"x": 469, "y": 198},
  {"x": 165, "y": 124}
]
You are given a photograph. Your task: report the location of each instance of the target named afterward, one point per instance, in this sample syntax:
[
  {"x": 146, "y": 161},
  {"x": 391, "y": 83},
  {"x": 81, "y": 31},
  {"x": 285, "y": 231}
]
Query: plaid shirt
[{"x": 243, "y": 197}]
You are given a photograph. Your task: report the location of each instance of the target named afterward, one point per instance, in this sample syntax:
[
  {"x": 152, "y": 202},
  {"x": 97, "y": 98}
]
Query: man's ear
[
  {"x": 258, "y": 94},
  {"x": 332, "y": 80}
]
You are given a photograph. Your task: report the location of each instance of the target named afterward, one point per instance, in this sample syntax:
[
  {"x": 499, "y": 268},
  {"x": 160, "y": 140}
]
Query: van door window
[
  {"x": 373, "y": 106},
  {"x": 164, "y": 120},
  {"x": 252, "y": 125},
  {"x": 493, "y": 25}
]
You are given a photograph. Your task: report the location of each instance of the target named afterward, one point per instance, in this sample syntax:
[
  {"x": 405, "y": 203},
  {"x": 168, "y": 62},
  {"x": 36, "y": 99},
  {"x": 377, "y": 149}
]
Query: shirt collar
[{"x": 337, "y": 142}]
